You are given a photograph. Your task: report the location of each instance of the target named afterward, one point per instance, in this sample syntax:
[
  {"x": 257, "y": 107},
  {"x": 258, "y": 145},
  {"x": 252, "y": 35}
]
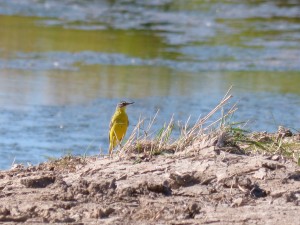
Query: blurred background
[{"x": 64, "y": 65}]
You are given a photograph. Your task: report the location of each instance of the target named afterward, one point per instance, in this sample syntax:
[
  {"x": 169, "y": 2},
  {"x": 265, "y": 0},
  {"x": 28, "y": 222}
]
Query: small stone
[
  {"x": 237, "y": 202},
  {"x": 260, "y": 174},
  {"x": 275, "y": 157}
]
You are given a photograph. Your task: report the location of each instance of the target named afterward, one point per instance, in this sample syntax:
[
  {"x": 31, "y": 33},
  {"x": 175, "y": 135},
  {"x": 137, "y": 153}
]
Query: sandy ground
[{"x": 204, "y": 187}]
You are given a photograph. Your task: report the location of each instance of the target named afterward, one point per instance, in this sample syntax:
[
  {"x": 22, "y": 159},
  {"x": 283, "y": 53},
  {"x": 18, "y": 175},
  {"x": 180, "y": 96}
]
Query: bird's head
[{"x": 123, "y": 104}]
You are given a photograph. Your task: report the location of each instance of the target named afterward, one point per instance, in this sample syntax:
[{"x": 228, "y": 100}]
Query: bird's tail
[{"x": 110, "y": 149}]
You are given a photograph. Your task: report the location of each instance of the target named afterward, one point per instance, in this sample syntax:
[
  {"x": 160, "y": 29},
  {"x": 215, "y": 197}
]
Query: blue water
[{"x": 64, "y": 65}]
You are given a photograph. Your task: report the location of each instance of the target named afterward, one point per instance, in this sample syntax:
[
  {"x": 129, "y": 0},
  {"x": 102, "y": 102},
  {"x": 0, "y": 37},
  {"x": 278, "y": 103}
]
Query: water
[{"x": 65, "y": 64}]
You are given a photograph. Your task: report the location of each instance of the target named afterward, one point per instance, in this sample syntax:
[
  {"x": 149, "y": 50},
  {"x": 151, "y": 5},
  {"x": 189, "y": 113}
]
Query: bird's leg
[{"x": 120, "y": 143}]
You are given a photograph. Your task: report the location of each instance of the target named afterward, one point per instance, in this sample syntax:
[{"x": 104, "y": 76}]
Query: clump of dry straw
[{"x": 202, "y": 133}]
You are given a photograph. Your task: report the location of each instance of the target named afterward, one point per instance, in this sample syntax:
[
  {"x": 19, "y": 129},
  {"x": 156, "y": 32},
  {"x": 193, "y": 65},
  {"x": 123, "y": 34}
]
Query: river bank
[{"x": 200, "y": 185}]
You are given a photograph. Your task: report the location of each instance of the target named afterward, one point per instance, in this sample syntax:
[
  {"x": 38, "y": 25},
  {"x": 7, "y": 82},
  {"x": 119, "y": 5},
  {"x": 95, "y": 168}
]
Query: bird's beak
[{"x": 129, "y": 103}]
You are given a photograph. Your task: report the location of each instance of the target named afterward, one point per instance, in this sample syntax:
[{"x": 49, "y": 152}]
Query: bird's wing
[
  {"x": 110, "y": 126},
  {"x": 112, "y": 121}
]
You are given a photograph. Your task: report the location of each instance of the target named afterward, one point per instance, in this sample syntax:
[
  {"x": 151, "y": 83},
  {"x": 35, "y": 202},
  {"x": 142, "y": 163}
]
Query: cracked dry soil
[{"x": 209, "y": 187}]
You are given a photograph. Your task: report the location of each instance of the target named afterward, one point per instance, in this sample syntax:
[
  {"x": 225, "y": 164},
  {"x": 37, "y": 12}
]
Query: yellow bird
[{"x": 118, "y": 125}]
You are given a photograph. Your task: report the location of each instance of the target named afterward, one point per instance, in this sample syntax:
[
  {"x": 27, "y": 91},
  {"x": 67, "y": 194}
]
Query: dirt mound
[{"x": 210, "y": 187}]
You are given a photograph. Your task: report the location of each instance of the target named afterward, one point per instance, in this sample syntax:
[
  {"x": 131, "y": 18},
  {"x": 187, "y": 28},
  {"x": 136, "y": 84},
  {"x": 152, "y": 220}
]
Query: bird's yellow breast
[{"x": 118, "y": 128}]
